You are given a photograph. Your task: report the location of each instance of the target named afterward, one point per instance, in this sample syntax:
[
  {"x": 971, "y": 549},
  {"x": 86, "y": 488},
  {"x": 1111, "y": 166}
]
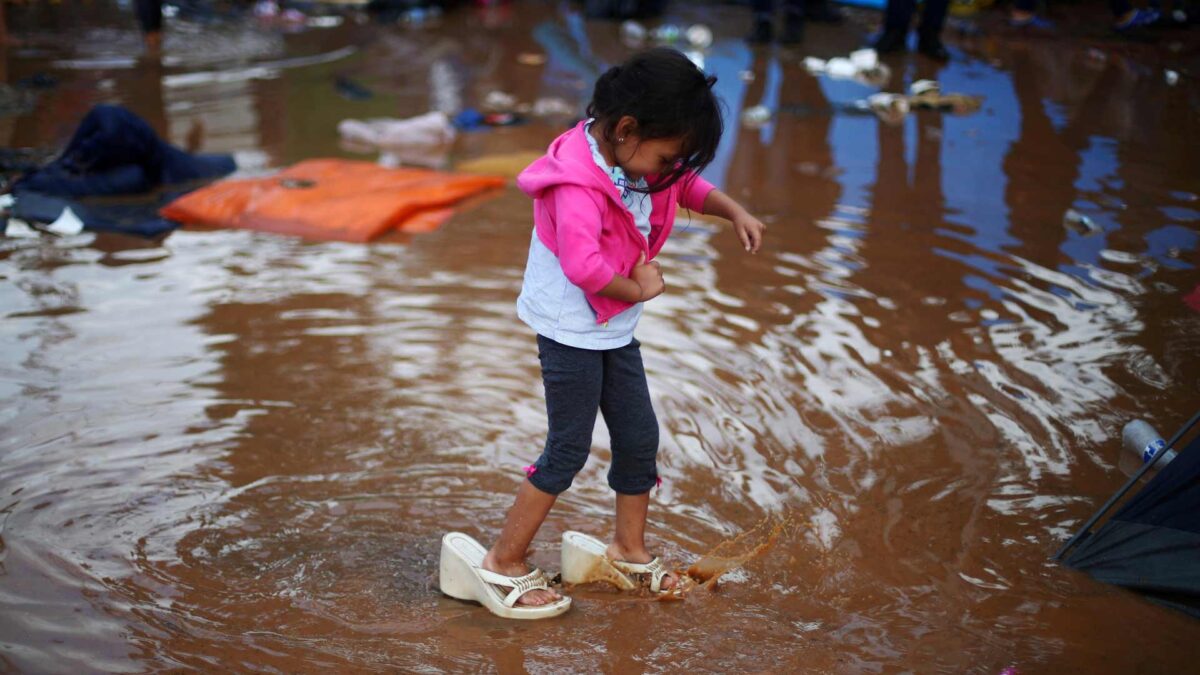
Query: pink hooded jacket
[{"x": 578, "y": 215}]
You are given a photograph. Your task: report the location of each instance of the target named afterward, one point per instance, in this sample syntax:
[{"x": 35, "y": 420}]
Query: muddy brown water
[{"x": 237, "y": 451}]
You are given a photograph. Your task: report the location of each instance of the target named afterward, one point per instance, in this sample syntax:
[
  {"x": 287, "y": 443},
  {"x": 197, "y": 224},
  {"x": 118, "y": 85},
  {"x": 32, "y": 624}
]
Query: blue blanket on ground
[{"x": 113, "y": 152}]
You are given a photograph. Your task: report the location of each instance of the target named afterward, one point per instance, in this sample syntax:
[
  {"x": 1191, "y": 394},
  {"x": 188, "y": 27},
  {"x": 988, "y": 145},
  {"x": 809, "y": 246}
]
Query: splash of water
[{"x": 731, "y": 554}]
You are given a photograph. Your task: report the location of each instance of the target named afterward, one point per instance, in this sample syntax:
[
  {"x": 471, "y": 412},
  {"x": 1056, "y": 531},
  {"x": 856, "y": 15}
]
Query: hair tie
[{"x": 710, "y": 81}]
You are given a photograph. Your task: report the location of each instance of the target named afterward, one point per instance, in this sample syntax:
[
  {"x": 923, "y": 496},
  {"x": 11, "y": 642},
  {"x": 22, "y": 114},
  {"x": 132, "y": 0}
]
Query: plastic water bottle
[{"x": 1142, "y": 440}]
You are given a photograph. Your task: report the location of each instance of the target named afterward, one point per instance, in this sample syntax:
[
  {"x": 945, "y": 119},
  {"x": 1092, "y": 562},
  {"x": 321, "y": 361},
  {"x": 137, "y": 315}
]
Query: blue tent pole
[{"x": 1120, "y": 493}]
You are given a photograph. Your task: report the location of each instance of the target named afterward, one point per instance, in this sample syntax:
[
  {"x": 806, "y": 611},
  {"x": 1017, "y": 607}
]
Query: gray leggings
[{"x": 578, "y": 383}]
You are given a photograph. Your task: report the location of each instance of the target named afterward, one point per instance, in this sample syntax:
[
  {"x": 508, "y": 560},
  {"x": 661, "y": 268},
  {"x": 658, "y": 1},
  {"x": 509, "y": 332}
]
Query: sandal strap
[
  {"x": 534, "y": 581},
  {"x": 655, "y": 568}
]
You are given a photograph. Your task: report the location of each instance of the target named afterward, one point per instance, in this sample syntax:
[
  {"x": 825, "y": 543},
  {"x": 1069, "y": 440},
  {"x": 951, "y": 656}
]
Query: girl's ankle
[{"x": 633, "y": 554}]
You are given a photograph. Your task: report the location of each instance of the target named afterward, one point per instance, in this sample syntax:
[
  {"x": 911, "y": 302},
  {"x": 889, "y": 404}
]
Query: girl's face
[{"x": 639, "y": 157}]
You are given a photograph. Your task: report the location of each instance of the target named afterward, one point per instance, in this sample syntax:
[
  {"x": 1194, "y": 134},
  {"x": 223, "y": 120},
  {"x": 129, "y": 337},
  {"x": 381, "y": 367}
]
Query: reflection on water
[{"x": 238, "y": 448}]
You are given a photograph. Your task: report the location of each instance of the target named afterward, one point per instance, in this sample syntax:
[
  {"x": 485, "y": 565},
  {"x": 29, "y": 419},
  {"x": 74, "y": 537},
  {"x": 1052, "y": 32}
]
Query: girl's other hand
[
  {"x": 649, "y": 277},
  {"x": 750, "y": 230}
]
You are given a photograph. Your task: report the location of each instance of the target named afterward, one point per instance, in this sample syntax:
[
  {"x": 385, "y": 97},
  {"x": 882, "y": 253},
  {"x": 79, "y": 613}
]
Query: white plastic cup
[{"x": 1144, "y": 441}]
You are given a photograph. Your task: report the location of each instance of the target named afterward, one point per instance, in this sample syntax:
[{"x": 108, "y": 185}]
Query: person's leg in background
[
  {"x": 822, "y": 11},
  {"x": 149, "y": 15},
  {"x": 897, "y": 17},
  {"x": 929, "y": 31},
  {"x": 793, "y": 22},
  {"x": 761, "y": 32},
  {"x": 4, "y": 39}
]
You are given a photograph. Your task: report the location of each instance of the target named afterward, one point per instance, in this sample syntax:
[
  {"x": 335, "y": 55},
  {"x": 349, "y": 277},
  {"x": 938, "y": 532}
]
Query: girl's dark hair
[{"x": 669, "y": 97}]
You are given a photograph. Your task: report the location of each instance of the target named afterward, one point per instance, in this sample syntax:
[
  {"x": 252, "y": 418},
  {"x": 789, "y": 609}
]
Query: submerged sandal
[
  {"x": 461, "y": 575},
  {"x": 584, "y": 561}
]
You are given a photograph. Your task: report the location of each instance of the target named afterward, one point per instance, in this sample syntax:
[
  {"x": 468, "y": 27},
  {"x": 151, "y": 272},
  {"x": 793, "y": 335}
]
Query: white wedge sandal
[
  {"x": 584, "y": 561},
  {"x": 461, "y": 575}
]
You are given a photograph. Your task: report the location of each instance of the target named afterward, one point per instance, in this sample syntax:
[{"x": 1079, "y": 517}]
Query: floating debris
[
  {"x": 864, "y": 59},
  {"x": 668, "y": 33},
  {"x": 924, "y": 94},
  {"x": 432, "y": 128},
  {"x": 66, "y": 224},
  {"x": 699, "y": 36},
  {"x": 324, "y": 21},
  {"x": 862, "y": 65},
  {"x": 889, "y": 107},
  {"x": 1079, "y": 222},
  {"x": 19, "y": 229},
  {"x": 921, "y": 87},
  {"x": 959, "y": 104},
  {"x": 1172, "y": 77},
  {"x": 755, "y": 117},
  {"x": 351, "y": 90},
  {"x": 499, "y": 101},
  {"x": 551, "y": 106},
  {"x": 633, "y": 33},
  {"x": 531, "y": 59}
]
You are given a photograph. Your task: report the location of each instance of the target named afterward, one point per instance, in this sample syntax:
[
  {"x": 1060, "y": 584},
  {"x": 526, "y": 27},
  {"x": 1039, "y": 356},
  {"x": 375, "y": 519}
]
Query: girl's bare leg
[
  {"x": 507, "y": 556},
  {"x": 629, "y": 543}
]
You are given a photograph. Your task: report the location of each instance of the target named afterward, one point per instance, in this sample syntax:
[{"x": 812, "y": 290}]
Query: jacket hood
[{"x": 568, "y": 161}]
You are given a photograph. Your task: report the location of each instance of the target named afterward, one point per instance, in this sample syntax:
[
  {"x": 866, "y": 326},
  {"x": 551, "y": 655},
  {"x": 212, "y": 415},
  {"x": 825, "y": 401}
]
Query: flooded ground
[{"x": 232, "y": 451}]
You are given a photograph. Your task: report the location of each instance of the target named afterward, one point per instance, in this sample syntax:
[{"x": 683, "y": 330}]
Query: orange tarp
[{"x": 331, "y": 199}]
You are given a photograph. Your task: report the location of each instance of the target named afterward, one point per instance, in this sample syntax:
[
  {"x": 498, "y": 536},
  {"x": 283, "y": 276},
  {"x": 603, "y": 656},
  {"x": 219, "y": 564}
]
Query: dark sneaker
[
  {"x": 793, "y": 31},
  {"x": 933, "y": 48},
  {"x": 890, "y": 42},
  {"x": 761, "y": 33},
  {"x": 823, "y": 13}
]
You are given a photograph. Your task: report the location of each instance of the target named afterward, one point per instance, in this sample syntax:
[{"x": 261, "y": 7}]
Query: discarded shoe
[
  {"x": 584, "y": 560},
  {"x": 461, "y": 575}
]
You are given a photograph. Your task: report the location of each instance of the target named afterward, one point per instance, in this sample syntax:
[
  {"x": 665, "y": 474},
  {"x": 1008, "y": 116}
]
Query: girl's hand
[
  {"x": 648, "y": 277},
  {"x": 750, "y": 230}
]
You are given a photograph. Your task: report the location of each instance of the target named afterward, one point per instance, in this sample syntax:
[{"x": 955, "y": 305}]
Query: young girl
[{"x": 605, "y": 196}]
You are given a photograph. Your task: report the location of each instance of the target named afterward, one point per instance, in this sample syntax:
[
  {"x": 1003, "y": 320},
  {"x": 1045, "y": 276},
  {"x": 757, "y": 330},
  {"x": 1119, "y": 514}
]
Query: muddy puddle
[{"x": 237, "y": 451}]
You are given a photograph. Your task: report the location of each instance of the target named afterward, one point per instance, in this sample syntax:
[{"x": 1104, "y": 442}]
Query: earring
[{"x": 621, "y": 139}]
